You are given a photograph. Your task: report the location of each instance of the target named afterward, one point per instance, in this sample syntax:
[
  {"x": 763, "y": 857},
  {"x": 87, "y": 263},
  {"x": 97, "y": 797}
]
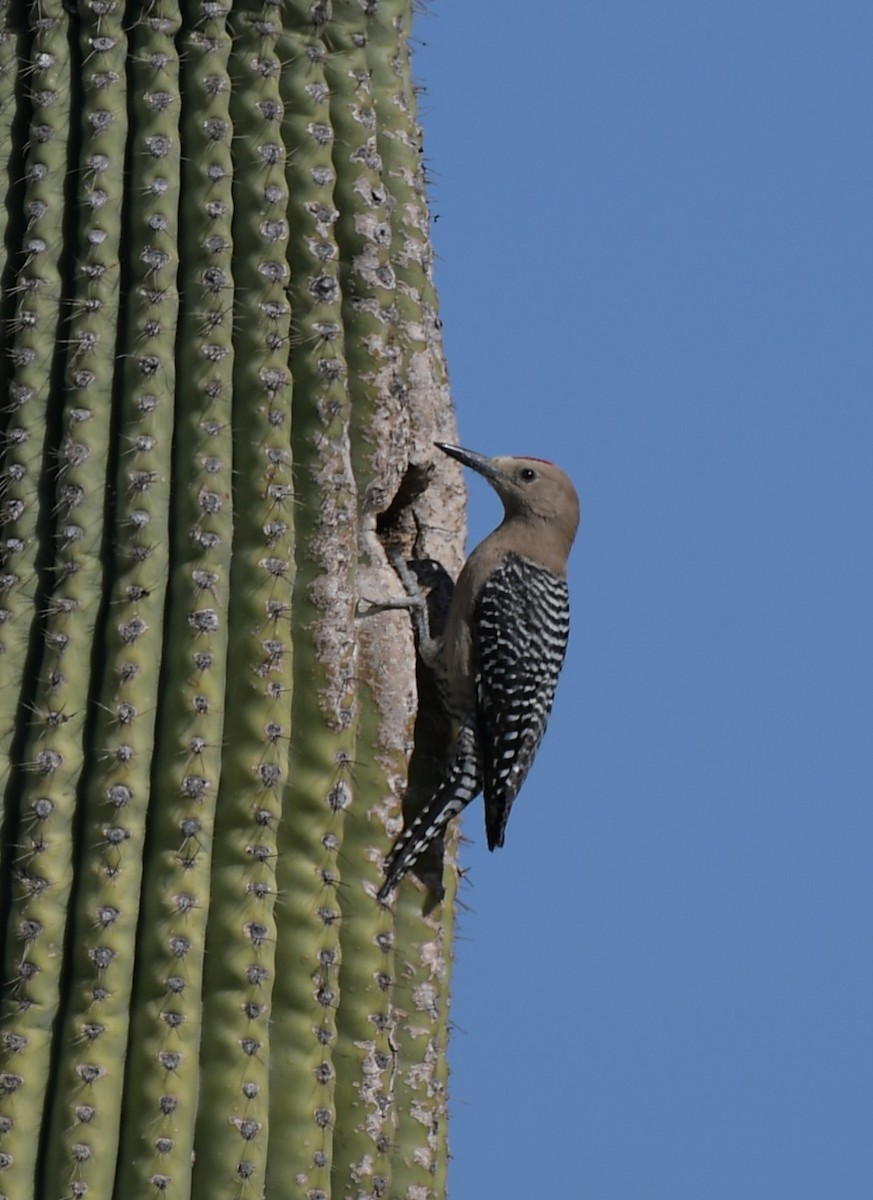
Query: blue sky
[{"x": 655, "y": 239}]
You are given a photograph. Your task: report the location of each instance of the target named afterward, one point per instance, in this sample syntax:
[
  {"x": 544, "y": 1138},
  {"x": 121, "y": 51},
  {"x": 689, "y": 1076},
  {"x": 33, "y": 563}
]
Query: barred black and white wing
[{"x": 521, "y": 624}]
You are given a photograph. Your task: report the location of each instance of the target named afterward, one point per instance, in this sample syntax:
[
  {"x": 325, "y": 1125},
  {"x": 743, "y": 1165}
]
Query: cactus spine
[{"x": 221, "y": 356}]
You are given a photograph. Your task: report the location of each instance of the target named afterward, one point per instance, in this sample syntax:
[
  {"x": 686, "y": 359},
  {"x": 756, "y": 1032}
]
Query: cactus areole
[{"x": 221, "y": 380}]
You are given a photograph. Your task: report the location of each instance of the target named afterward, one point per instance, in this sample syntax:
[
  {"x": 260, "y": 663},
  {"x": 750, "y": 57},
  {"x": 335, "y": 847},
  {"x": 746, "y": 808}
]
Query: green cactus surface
[{"x": 221, "y": 378}]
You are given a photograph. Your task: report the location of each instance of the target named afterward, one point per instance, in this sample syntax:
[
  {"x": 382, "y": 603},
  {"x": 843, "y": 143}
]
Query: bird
[{"x": 499, "y": 656}]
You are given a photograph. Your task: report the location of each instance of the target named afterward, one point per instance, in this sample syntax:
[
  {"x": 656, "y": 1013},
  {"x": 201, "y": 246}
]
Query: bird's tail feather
[{"x": 462, "y": 784}]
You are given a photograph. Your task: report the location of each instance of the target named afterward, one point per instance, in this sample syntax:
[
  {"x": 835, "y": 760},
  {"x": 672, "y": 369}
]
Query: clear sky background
[{"x": 655, "y": 230}]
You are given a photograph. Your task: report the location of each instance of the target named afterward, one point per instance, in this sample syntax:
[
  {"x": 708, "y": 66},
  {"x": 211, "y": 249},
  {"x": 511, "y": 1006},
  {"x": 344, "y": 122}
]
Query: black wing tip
[
  {"x": 496, "y": 838},
  {"x": 431, "y": 881}
]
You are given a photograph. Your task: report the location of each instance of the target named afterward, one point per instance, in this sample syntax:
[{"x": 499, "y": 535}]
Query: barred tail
[{"x": 462, "y": 784}]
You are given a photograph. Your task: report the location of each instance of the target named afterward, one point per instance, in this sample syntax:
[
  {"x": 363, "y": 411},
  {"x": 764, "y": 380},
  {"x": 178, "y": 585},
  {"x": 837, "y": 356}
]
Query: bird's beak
[{"x": 477, "y": 462}]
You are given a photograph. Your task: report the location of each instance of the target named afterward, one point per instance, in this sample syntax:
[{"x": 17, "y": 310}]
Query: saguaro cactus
[{"x": 221, "y": 377}]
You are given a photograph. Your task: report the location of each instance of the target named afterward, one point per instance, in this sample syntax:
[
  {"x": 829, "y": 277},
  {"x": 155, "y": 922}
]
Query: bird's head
[{"x": 528, "y": 487}]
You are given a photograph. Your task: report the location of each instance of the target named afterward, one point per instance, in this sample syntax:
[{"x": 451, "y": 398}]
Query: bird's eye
[{"x": 527, "y": 474}]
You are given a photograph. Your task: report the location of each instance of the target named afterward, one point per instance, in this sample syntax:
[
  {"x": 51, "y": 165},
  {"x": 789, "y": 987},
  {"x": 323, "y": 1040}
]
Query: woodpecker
[{"x": 499, "y": 656}]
